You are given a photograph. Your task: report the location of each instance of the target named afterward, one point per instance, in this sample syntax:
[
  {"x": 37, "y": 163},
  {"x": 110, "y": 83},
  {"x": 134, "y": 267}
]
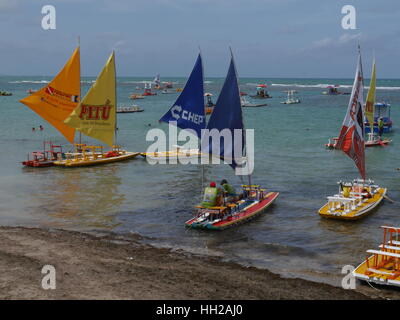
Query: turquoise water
[{"x": 155, "y": 201}]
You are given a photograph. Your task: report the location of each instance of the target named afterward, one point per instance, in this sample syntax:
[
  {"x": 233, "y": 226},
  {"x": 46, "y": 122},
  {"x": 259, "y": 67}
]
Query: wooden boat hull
[
  {"x": 375, "y": 143},
  {"x": 245, "y": 215},
  {"x": 38, "y": 164},
  {"x": 360, "y": 211},
  {"x": 254, "y": 105},
  {"x": 380, "y": 277},
  {"x": 93, "y": 162}
]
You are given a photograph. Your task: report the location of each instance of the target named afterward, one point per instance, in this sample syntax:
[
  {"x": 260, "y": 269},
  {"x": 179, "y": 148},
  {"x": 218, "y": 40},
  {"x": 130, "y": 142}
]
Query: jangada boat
[
  {"x": 253, "y": 200},
  {"x": 44, "y": 158},
  {"x": 54, "y": 103},
  {"x": 354, "y": 199},
  {"x": 261, "y": 92},
  {"x": 130, "y": 109},
  {"x": 382, "y": 266},
  {"x": 372, "y": 141},
  {"x": 95, "y": 116}
]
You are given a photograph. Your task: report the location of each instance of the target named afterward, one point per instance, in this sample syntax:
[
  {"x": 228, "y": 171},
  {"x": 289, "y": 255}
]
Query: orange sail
[{"x": 60, "y": 97}]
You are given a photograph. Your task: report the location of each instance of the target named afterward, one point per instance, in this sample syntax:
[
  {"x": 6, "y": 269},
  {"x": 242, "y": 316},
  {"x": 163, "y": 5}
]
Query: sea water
[{"x": 155, "y": 200}]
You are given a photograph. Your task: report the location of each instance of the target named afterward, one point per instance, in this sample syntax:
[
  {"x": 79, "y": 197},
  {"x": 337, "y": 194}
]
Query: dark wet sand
[{"x": 111, "y": 267}]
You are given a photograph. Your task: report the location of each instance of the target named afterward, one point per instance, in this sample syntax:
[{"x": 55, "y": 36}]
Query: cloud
[{"x": 329, "y": 42}]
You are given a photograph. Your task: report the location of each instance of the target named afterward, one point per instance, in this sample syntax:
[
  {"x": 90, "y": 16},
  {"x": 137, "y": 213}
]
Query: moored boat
[
  {"x": 290, "y": 98},
  {"x": 44, "y": 158},
  {"x": 234, "y": 209},
  {"x": 382, "y": 266},
  {"x": 261, "y": 92},
  {"x": 130, "y": 109},
  {"x": 95, "y": 116},
  {"x": 253, "y": 203},
  {"x": 354, "y": 199}
]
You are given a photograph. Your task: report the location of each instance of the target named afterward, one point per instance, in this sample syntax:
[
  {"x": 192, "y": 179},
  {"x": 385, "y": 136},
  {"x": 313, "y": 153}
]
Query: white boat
[
  {"x": 246, "y": 104},
  {"x": 290, "y": 98}
]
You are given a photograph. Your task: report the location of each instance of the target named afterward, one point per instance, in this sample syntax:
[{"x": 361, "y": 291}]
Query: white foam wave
[
  {"x": 325, "y": 85},
  {"x": 29, "y": 81}
]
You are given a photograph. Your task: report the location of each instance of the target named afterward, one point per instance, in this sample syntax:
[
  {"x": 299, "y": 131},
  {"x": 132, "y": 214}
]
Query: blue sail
[
  {"x": 188, "y": 110},
  {"x": 227, "y": 115}
]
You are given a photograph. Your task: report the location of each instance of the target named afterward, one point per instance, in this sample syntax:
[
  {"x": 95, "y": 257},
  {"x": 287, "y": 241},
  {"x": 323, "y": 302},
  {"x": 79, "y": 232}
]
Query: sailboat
[
  {"x": 373, "y": 140},
  {"x": 254, "y": 200},
  {"x": 54, "y": 103},
  {"x": 382, "y": 266},
  {"x": 187, "y": 112},
  {"x": 95, "y": 116},
  {"x": 357, "y": 198}
]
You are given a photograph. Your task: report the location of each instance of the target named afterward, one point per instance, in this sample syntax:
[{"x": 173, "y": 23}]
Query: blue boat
[{"x": 382, "y": 109}]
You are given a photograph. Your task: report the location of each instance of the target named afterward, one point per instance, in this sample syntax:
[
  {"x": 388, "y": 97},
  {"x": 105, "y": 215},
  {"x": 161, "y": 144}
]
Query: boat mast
[
  {"x": 115, "y": 107},
  {"x": 199, "y": 140},
  {"x": 80, "y": 84}
]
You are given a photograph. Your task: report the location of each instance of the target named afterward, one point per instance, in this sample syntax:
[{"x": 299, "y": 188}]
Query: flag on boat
[
  {"x": 60, "y": 97},
  {"x": 351, "y": 137},
  {"x": 228, "y": 121},
  {"x": 188, "y": 110},
  {"x": 370, "y": 104},
  {"x": 95, "y": 116}
]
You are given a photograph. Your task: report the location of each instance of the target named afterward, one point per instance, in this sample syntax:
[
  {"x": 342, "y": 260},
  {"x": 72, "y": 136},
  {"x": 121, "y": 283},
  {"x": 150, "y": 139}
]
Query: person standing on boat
[
  {"x": 380, "y": 127},
  {"x": 229, "y": 191},
  {"x": 212, "y": 196}
]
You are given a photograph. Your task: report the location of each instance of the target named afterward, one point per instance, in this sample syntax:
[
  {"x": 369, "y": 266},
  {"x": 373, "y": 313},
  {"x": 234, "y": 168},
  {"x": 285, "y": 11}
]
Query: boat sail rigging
[
  {"x": 355, "y": 199},
  {"x": 228, "y": 118},
  {"x": 95, "y": 116},
  {"x": 59, "y": 98},
  {"x": 188, "y": 110},
  {"x": 351, "y": 138}
]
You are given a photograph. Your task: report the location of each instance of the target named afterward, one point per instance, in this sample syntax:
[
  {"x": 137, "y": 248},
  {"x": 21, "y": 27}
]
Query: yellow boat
[
  {"x": 353, "y": 201},
  {"x": 95, "y": 116},
  {"x": 359, "y": 197},
  {"x": 383, "y": 266},
  {"x": 93, "y": 155}
]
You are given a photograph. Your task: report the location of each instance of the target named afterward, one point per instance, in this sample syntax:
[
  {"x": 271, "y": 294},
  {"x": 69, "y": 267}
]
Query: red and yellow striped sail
[{"x": 59, "y": 98}]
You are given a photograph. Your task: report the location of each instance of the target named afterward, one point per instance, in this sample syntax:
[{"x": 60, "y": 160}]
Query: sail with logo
[
  {"x": 226, "y": 124},
  {"x": 357, "y": 198},
  {"x": 186, "y": 113},
  {"x": 188, "y": 110},
  {"x": 95, "y": 116},
  {"x": 59, "y": 98}
]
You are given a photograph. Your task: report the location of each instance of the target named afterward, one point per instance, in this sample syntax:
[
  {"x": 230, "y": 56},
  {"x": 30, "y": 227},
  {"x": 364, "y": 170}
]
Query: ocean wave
[
  {"x": 325, "y": 85},
  {"x": 29, "y": 81}
]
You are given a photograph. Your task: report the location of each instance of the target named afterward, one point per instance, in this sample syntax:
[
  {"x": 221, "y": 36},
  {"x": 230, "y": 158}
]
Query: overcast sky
[{"x": 270, "y": 38}]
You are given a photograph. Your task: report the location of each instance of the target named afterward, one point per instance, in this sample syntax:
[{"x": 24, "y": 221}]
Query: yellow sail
[
  {"x": 96, "y": 114},
  {"x": 59, "y": 98},
  {"x": 370, "y": 104}
]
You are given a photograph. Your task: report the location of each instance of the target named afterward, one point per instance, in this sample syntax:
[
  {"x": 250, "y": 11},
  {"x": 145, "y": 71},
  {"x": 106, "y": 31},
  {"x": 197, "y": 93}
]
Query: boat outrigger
[
  {"x": 95, "y": 116},
  {"x": 253, "y": 200},
  {"x": 382, "y": 266},
  {"x": 46, "y": 157},
  {"x": 355, "y": 199}
]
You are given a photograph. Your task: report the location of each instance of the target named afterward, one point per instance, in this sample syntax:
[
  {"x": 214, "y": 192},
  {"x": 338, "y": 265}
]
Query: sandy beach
[{"x": 111, "y": 267}]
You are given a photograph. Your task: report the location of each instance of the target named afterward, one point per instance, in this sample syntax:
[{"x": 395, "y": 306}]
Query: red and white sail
[{"x": 351, "y": 137}]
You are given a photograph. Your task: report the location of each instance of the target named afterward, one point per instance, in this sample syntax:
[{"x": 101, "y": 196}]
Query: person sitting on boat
[
  {"x": 380, "y": 127},
  {"x": 212, "y": 196},
  {"x": 366, "y": 194},
  {"x": 229, "y": 191}
]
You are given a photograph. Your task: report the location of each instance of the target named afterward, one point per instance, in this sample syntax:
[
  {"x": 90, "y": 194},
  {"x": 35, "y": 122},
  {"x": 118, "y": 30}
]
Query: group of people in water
[{"x": 40, "y": 128}]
